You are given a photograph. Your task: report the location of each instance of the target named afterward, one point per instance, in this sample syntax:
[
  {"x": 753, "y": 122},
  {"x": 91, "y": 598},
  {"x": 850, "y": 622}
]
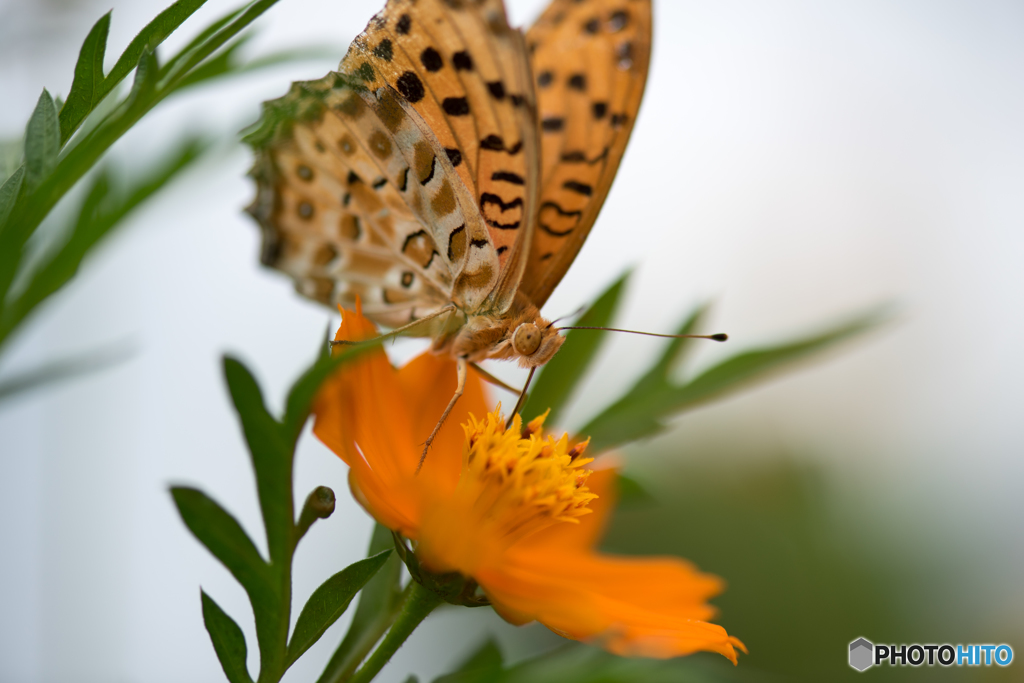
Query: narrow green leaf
[
  {"x": 643, "y": 414},
  {"x": 483, "y": 666},
  {"x": 584, "y": 664},
  {"x": 88, "y": 78},
  {"x": 64, "y": 369},
  {"x": 9, "y": 194},
  {"x": 147, "y": 72},
  {"x": 560, "y": 376},
  {"x": 374, "y": 612},
  {"x": 101, "y": 212},
  {"x": 271, "y": 458},
  {"x": 187, "y": 60},
  {"x": 42, "y": 142},
  {"x": 330, "y": 601},
  {"x": 658, "y": 376},
  {"x": 11, "y": 151},
  {"x": 152, "y": 35},
  {"x": 224, "y": 537},
  {"x": 228, "y": 640},
  {"x": 746, "y": 368}
]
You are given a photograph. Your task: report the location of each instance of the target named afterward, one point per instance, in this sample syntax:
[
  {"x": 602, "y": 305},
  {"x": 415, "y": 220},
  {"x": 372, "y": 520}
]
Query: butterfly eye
[{"x": 526, "y": 339}]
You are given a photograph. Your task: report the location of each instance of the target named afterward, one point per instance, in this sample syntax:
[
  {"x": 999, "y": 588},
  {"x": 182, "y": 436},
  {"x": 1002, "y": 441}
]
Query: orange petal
[
  {"x": 428, "y": 384},
  {"x": 649, "y": 607},
  {"x": 361, "y": 415}
]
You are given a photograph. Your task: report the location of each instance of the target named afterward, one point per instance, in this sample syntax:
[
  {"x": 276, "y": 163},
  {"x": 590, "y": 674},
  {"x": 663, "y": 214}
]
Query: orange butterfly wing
[{"x": 590, "y": 62}]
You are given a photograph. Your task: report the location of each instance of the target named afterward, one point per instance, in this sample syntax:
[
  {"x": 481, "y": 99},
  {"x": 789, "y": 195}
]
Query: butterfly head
[{"x": 535, "y": 343}]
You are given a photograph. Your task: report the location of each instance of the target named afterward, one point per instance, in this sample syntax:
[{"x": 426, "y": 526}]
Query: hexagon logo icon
[{"x": 862, "y": 654}]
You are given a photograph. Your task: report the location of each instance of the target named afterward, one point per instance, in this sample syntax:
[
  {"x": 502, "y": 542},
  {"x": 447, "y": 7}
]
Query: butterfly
[{"x": 447, "y": 174}]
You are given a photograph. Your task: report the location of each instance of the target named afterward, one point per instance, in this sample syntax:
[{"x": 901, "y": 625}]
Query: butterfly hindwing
[{"x": 590, "y": 62}]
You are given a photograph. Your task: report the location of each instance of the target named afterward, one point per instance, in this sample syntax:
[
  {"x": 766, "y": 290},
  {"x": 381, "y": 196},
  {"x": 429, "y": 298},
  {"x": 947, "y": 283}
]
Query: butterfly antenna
[
  {"x": 713, "y": 337},
  {"x": 575, "y": 313},
  {"x": 522, "y": 398}
]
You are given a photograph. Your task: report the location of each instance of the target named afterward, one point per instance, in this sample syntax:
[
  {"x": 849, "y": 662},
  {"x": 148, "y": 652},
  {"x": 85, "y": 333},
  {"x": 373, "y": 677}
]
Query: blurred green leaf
[
  {"x": 271, "y": 457},
  {"x": 632, "y": 493},
  {"x": 103, "y": 209},
  {"x": 42, "y": 141},
  {"x": 148, "y": 38},
  {"x": 224, "y": 537},
  {"x": 147, "y": 72},
  {"x": 8, "y": 194},
  {"x": 577, "y": 663},
  {"x": 659, "y": 375},
  {"x": 88, "y": 78},
  {"x": 375, "y": 611},
  {"x": 11, "y": 151},
  {"x": 228, "y": 640},
  {"x": 643, "y": 411},
  {"x": 61, "y": 370},
  {"x": 560, "y": 376},
  {"x": 483, "y": 666},
  {"x": 330, "y": 601}
]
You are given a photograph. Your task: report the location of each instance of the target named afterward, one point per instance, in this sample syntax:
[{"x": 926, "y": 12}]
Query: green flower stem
[{"x": 418, "y": 604}]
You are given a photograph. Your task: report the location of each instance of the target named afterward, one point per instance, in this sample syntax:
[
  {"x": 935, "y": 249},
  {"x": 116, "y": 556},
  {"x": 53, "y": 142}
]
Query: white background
[{"x": 794, "y": 161}]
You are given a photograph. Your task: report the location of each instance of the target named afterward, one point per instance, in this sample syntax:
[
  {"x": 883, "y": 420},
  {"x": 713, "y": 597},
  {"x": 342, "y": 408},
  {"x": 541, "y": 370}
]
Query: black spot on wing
[
  {"x": 384, "y": 50},
  {"x": 411, "y": 87},
  {"x": 497, "y": 89},
  {"x": 454, "y": 156},
  {"x": 431, "y": 60},
  {"x": 600, "y": 110},
  {"x": 578, "y": 82},
  {"x": 403, "y": 25},
  {"x": 455, "y": 106},
  {"x": 479, "y": 244},
  {"x": 462, "y": 61}
]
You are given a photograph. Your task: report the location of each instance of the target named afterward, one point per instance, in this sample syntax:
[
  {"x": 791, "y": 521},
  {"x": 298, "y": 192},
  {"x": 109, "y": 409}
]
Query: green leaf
[
  {"x": 375, "y": 611},
  {"x": 152, "y": 35},
  {"x": 61, "y": 370},
  {"x": 560, "y": 376},
  {"x": 330, "y": 601},
  {"x": 198, "y": 51},
  {"x": 228, "y": 640},
  {"x": 643, "y": 411},
  {"x": 224, "y": 537},
  {"x": 88, "y": 79},
  {"x": 42, "y": 142},
  {"x": 11, "y": 151},
  {"x": 483, "y": 666},
  {"x": 103, "y": 209},
  {"x": 582, "y": 664},
  {"x": 271, "y": 458},
  {"x": 9, "y": 194},
  {"x": 147, "y": 74}
]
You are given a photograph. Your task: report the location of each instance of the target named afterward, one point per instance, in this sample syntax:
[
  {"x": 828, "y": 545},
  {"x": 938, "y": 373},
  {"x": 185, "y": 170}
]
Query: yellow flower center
[{"x": 514, "y": 483}]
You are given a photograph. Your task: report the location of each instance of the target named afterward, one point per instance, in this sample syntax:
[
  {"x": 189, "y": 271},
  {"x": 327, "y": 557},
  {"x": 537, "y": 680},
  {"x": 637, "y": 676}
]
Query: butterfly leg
[
  {"x": 461, "y": 367},
  {"x": 488, "y": 377}
]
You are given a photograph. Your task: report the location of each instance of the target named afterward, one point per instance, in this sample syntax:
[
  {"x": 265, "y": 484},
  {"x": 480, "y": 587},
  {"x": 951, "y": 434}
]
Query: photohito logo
[{"x": 864, "y": 654}]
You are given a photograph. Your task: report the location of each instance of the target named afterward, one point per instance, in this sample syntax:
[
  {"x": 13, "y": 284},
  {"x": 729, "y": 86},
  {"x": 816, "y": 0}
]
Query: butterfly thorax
[{"x": 520, "y": 333}]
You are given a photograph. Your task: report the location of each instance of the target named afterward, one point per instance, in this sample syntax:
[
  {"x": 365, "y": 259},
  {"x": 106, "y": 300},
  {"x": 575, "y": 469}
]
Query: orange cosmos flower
[{"x": 520, "y": 516}]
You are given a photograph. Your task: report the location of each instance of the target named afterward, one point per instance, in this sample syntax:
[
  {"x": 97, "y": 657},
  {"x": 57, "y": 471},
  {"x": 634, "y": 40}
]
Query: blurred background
[{"x": 794, "y": 162}]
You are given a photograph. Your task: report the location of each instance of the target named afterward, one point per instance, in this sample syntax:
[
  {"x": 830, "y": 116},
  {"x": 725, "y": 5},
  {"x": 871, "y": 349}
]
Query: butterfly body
[{"x": 448, "y": 173}]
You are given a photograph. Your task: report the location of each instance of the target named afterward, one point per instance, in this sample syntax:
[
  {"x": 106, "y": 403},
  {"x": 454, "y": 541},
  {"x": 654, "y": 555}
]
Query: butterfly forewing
[
  {"x": 463, "y": 70},
  {"x": 590, "y": 61}
]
